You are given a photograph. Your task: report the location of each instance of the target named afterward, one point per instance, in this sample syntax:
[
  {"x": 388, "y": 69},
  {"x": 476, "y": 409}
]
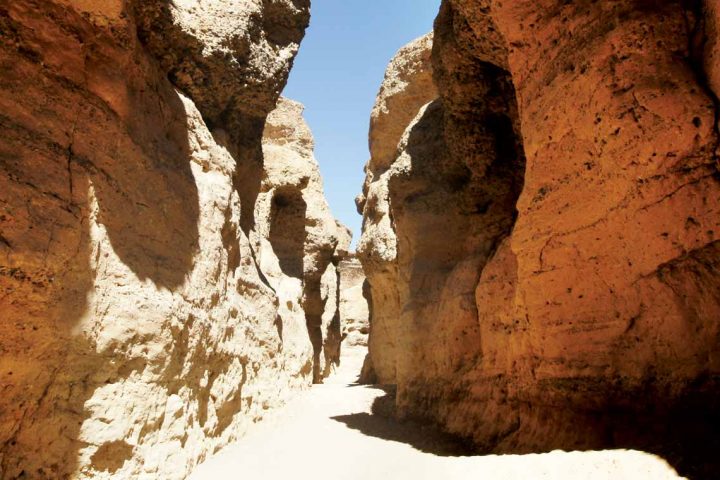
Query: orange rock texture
[
  {"x": 555, "y": 217},
  {"x": 145, "y": 319}
]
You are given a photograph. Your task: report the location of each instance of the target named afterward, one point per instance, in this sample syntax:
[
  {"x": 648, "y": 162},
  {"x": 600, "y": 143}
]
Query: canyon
[{"x": 538, "y": 268}]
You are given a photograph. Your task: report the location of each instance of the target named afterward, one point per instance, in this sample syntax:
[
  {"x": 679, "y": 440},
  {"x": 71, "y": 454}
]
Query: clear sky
[{"x": 337, "y": 75}]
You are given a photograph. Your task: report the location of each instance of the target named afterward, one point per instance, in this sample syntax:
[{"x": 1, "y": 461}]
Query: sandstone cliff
[
  {"x": 353, "y": 304},
  {"x": 143, "y": 320},
  {"x": 377, "y": 248},
  {"x": 551, "y": 222},
  {"x": 301, "y": 242},
  {"x": 355, "y": 364}
]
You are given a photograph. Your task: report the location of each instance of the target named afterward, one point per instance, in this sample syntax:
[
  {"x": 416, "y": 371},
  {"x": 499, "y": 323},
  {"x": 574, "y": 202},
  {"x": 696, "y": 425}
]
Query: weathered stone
[
  {"x": 353, "y": 304},
  {"x": 144, "y": 322},
  {"x": 301, "y": 232},
  {"x": 407, "y": 86},
  {"x": 553, "y": 222},
  {"x": 232, "y": 57}
]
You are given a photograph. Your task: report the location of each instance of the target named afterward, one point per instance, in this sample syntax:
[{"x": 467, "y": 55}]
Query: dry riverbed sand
[{"x": 330, "y": 432}]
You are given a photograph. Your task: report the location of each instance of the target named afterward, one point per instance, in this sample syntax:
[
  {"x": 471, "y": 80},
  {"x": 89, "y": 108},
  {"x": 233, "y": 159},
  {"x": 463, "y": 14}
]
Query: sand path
[{"x": 329, "y": 432}]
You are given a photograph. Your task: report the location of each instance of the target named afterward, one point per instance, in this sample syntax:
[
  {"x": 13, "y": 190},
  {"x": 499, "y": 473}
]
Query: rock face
[
  {"x": 353, "y": 304},
  {"x": 301, "y": 243},
  {"x": 377, "y": 248},
  {"x": 552, "y": 224},
  {"x": 151, "y": 298}
]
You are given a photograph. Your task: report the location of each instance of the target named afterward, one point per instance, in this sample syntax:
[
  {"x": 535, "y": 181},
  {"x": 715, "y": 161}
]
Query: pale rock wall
[
  {"x": 141, "y": 328},
  {"x": 410, "y": 71},
  {"x": 355, "y": 365},
  {"x": 354, "y": 312},
  {"x": 309, "y": 232}
]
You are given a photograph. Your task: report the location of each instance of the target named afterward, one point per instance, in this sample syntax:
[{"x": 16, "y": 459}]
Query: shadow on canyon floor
[
  {"x": 381, "y": 423},
  {"x": 689, "y": 444},
  {"x": 687, "y": 440}
]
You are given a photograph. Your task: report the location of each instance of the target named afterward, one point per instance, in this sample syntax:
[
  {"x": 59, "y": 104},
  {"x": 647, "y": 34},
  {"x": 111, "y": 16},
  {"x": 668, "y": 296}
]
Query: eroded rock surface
[
  {"x": 552, "y": 225},
  {"x": 243, "y": 49},
  {"x": 143, "y": 322},
  {"x": 303, "y": 241},
  {"x": 410, "y": 71},
  {"x": 353, "y": 303},
  {"x": 355, "y": 362}
]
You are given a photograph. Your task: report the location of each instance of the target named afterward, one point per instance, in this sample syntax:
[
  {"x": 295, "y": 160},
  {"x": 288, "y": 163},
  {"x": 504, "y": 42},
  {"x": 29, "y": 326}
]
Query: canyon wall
[
  {"x": 542, "y": 246},
  {"x": 301, "y": 243},
  {"x": 152, "y": 303},
  {"x": 354, "y": 320},
  {"x": 353, "y": 304},
  {"x": 407, "y": 86}
]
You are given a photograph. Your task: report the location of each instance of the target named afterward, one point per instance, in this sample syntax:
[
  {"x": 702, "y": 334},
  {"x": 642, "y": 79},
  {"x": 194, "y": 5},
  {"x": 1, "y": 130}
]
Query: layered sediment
[{"x": 353, "y": 303}]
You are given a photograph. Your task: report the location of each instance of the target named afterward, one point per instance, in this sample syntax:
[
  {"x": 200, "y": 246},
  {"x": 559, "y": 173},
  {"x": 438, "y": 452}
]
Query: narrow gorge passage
[{"x": 534, "y": 291}]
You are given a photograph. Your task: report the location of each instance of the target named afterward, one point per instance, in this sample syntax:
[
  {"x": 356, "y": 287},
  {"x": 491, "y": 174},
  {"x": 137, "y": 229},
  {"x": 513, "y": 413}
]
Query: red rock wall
[
  {"x": 600, "y": 302},
  {"x": 614, "y": 298}
]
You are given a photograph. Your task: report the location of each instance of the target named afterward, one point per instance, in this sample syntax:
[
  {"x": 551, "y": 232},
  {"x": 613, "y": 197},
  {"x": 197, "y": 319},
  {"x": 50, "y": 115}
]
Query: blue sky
[{"x": 337, "y": 75}]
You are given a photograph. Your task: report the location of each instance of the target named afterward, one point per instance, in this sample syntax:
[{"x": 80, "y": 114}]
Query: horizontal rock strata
[{"x": 353, "y": 303}]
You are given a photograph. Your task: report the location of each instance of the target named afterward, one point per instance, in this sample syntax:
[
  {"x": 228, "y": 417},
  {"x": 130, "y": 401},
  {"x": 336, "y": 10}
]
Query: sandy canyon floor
[{"x": 331, "y": 432}]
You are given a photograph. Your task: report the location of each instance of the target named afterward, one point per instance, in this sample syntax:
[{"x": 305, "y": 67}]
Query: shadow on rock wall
[
  {"x": 567, "y": 343},
  {"x": 287, "y": 230},
  {"x": 84, "y": 143}
]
